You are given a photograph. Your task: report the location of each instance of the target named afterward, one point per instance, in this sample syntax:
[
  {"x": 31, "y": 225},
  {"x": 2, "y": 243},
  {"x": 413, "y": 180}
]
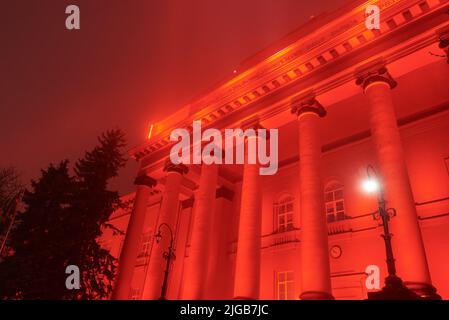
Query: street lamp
[
  {"x": 371, "y": 185},
  {"x": 168, "y": 255},
  {"x": 394, "y": 289}
]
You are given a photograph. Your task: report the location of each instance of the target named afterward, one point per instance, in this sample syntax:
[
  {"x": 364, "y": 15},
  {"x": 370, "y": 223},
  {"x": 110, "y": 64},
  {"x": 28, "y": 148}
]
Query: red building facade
[{"x": 342, "y": 97}]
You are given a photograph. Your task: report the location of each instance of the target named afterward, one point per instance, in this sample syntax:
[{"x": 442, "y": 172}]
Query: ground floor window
[{"x": 285, "y": 285}]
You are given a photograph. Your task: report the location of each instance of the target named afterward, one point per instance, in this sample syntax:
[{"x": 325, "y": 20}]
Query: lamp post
[
  {"x": 394, "y": 289},
  {"x": 168, "y": 255}
]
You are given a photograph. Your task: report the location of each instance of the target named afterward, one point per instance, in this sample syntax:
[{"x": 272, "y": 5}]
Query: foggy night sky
[{"x": 132, "y": 63}]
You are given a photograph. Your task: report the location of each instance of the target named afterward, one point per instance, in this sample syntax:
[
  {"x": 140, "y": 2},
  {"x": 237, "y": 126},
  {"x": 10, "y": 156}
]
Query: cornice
[{"x": 304, "y": 59}]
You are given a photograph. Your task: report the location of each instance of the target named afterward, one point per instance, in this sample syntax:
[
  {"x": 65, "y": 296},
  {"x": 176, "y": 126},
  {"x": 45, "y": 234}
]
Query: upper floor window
[
  {"x": 283, "y": 213},
  {"x": 334, "y": 202},
  {"x": 145, "y": 244},
  {"x": 285, "y": 285}
]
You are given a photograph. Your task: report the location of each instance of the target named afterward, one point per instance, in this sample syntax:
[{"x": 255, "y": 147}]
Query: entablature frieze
[{"x": 334, "y": 49}]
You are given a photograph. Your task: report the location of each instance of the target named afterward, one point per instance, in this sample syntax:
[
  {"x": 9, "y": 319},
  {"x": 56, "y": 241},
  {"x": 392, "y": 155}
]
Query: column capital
[
  {"x": 376, "y": 74},
  {"x": 251, "y": 123},
  {"x": 188, "y": 203},
  {"x": 144, "y": 180},
  {"x": 179, "y": 168},
  {"x": 444, "y": 43},
  {"x": 254, "y": 124},
  {"x": 223, "y": 192},
  {"x": 308, "y": 104}
]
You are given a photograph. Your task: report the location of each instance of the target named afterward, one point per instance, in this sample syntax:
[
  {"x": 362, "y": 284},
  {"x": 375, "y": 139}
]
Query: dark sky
[{"x": 132, "y": 63}]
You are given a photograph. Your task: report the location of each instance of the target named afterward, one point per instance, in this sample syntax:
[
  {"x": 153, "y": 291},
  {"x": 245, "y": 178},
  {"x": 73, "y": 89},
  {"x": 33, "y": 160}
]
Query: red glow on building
[
  {"x": 342, "y": 98},
  {"x": 151, "y": 131}
]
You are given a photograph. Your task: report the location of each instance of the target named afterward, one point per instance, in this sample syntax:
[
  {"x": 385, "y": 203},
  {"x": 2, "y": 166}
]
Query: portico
[{"x": 352, "y": 98}]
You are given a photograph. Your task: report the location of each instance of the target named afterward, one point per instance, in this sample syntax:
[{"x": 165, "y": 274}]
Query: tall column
[
  {"x": 316, "y": 281},
  {"x": 167, "y": 214},
  {"x": 247, "y": 268},
  {"x": 407, "y": 240},
  {"x": 218, "y": 275},
  {"x": 195, "y": 274},
  {"x": 132, "y": 240}
]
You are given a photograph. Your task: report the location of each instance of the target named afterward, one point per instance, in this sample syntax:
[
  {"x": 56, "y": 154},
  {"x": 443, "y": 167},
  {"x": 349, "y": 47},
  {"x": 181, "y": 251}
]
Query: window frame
[
  {"x": 333, "y": 202},
  {"x": 287, "y": 282},
  {"x": 145, "y": 241},
  {"x": 282, "y": 204}
]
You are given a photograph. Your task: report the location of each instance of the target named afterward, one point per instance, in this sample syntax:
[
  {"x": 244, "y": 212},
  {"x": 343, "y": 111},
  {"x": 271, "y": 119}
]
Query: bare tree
[{"x": 10, "y": 186}]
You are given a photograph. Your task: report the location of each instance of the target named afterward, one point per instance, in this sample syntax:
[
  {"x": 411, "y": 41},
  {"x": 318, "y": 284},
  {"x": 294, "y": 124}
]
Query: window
[
  {"x": 147, "y": 237},
  {"x": 334, "y": 202},
  {"x": 285, "y": 285},
  {"x": 134, "y": 294},
  {"x": 283, "y": 212}
]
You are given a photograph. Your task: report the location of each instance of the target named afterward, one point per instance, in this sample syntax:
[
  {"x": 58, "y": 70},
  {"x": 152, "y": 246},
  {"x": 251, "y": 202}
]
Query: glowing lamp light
[
  {"x": 158, "y": 237},
  {"x": 371, "y": 185},
  {"x": 150, "y": 132}
]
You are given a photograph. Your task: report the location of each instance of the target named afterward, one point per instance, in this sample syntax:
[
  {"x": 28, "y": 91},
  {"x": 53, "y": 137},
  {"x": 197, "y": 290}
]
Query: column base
[
  {"x": 243, "y": 298},
  {"x": 423, "y": 290},
  {"x": 395, "y": 289},
  {"x": 315, "y": 295}
]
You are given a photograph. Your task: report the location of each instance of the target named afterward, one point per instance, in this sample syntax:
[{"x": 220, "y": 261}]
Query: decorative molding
[
  {"x": 376, "y": 73},
  {"x": 330, "y": 44},
  {"x": 308, "y": 104}
]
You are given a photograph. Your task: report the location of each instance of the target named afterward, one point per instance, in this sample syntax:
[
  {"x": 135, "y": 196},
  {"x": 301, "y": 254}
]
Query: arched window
[
  {"x": 283, "y": 213},
  {"x": 334, "y": 202}
]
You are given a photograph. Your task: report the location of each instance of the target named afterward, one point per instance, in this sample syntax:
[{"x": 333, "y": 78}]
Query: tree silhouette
[
  {"x": 10, "y": 187},
  {"x": 63, "y": 218}
]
